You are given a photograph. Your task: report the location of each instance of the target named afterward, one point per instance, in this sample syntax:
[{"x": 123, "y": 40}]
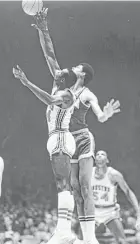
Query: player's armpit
[{"x": 119, "y": 179}]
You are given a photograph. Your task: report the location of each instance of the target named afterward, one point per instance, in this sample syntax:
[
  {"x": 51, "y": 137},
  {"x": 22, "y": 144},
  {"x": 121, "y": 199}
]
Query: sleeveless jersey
[
  {"x": 58, "y": 118},
  {"x": 104, "y": 191},
  {"x": 78, "y": 118}
]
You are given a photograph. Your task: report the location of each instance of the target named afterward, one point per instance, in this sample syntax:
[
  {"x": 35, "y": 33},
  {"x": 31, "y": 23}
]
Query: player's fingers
[
  {"x": 14, "y": 70},
  {"x": 107, "y": 105},
  {"x": 111, "y": 101},
  {"x": 117, "y": 111},
  {"x": 43, "y": 10},
  {"x": 19, "y": 68},
  {"x": 35, "y": 26},
  {"x": 46, "y": 11},
  {"x": 16, "y": 75},
  {"x": 116, "y": 104},
  {"x": 36, "y": 16}
]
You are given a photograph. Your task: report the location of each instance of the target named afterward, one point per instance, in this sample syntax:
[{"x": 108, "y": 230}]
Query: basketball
[{"x": 32, "y": 7}]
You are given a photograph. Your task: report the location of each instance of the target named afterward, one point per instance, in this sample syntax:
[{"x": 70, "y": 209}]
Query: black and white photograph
[{"x": 69, "y": 122}]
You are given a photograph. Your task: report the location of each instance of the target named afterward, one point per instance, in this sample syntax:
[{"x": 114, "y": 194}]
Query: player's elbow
[
  {"x": 49, "y": 102},
  {"x": 56, "y": 102}
]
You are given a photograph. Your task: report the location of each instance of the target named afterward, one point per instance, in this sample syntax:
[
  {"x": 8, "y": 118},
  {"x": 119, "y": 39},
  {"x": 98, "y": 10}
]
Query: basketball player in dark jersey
[{"x": 83, "y": 158}]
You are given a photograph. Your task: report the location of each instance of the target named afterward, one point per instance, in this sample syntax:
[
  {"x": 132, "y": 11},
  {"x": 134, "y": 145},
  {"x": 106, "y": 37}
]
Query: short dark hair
[{"x": 89, "y": 72}]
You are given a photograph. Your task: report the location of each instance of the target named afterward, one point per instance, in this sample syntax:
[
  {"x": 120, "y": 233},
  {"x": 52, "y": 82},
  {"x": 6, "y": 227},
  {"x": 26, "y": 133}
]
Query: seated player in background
[
  {"x": 105, "y": 181},
  {"x": 82, "y": 161}
]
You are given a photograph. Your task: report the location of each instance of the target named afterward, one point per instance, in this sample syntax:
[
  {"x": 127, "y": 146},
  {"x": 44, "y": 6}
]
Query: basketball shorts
[
  {"x": 85, "y": 145},
  {"x": 61, "y": 141},
  {"x": 106, "y": 214}
]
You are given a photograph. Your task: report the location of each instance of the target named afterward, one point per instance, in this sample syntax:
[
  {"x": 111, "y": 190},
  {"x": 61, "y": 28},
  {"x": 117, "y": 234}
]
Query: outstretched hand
[
  {"x": 111, "y": 108},
  {"x": 19, "y": 74},
  {"x": 41, "y": 20}
]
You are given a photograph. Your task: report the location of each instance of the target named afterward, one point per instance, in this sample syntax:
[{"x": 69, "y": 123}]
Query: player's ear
[
  {"x": 107, "y": 161},
  {"x": 81, "y": 75}
]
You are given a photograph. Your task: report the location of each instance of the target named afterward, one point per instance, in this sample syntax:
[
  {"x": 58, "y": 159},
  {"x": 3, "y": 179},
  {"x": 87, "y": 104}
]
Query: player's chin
[{"x": 99, "y": 164}]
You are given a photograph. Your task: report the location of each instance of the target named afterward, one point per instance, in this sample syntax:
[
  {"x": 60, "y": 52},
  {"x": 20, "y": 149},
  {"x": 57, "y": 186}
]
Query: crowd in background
[{"x": 35, "y": 220}]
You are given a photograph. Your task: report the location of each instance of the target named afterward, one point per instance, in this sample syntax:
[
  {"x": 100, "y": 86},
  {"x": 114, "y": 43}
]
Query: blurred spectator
[
  {"x": 131, "y": 221},
  {"x": 37, "y": 222}
]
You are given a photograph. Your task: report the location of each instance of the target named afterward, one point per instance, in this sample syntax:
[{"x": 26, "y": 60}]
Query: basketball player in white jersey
[
  {"x": 83, "y": 158},
  {"x": 105, "y": 181},
  {"x": 61, "y": 147}
]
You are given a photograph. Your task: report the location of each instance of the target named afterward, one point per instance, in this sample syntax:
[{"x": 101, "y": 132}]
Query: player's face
[
  {"x": 66, "y": 77},
  {"x": 101, "y": 158},
  {"x": 59, "y": 75}
]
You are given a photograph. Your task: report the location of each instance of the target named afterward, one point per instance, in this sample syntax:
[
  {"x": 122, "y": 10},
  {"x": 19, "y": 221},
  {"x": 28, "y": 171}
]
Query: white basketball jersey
[
  {"x": 58, "y": 118},
  {"x": 104, "y": 191}
]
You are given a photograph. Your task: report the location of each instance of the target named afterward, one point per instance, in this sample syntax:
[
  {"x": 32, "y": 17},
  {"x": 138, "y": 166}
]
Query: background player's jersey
[
  {"x": 104, "y": 191},
  {"x": 78, "y": 118}
]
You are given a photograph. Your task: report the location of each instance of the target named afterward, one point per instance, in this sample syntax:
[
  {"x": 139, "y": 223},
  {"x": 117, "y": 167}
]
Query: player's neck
[
  {"x": 78, "y": 85},
  {"x": 101, "y": 171}
]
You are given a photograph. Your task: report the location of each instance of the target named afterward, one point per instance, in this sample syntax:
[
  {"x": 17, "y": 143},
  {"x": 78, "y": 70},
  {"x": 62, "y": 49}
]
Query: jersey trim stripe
[
  {"x": 62, "y": 118},
  {"x": 58, "y": 145},
  {"x": 59, "y": 119}
]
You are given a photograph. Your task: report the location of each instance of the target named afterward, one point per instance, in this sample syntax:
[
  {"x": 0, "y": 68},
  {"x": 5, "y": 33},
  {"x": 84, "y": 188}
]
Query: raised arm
[
  {"x": 46, "y": 41},
  {"x": 45, "y": 97},
  {"x": 108, "y": 111}
]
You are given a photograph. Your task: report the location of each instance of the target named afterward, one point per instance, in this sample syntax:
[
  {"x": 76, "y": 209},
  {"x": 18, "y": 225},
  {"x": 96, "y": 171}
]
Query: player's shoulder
[
  {"x": 88, "y": 94},
  {"x": 114, "y": 174},
  {"x": 114, "y": 171}
]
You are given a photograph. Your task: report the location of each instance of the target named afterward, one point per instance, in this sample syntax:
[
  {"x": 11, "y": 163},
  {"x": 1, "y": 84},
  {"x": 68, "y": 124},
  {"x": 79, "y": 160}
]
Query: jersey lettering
[
  {"x": 97, "y": 197},
  {"x": 104, "y": 191}
]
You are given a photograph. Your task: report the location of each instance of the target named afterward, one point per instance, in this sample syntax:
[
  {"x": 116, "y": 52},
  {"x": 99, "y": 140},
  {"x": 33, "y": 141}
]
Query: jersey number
[{"x": 104, "y": 196}]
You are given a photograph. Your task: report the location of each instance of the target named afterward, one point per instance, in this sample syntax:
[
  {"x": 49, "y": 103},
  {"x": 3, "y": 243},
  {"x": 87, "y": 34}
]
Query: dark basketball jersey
[{"x": 78, "y": 118}]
